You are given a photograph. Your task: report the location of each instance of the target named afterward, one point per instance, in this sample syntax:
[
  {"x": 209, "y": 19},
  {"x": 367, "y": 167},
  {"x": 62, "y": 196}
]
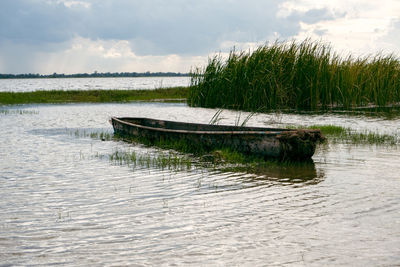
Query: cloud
[
  {"x": 171, "y": 31},
  {"x": 126, "y": 35},
  {"x": 86, "y": 55},
  {"x": 73, "y": 4},
  {"x": 357, "y": 27},
  {"x": 390, "y": 42},
  {"x": 40, "y": 21},
  {"x": 155, "y": 27}
]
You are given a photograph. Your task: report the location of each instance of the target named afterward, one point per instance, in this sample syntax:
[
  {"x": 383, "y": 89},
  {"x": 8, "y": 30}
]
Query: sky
[{"x": 78, "y": 36}]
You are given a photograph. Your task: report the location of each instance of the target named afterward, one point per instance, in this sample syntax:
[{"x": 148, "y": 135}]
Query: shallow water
[
  {"x": 112, "y": 83},
  {"x": 64, "y": 202}
]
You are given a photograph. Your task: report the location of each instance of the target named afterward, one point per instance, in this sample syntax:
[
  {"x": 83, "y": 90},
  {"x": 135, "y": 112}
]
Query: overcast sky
[{"x": 65, "y": 36}]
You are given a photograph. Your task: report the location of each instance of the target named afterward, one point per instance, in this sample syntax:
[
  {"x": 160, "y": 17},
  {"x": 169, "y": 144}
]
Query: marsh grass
[
  {"x": 104, "y": 136},
  {"x": 217, "y": 118},
  {"x": 177, "y": 145},
  {"x": 223, "y": 159},
  {"x": 339, "y": 134},
  {"x": 179, "y": 155},
  {"x": 161, "y": 159},
  {"x": 297, "y": 76},
  {"x": 94, "y": 96},
  {"x": 170, "y": 161}
]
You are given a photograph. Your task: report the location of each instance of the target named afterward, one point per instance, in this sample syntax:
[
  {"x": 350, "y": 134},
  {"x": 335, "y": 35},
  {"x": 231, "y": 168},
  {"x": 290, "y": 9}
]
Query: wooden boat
[{"x": 267, "y": 142}]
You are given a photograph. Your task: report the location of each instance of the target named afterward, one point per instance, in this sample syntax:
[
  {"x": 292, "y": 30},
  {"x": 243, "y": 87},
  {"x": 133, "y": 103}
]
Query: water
[
  {"x": 27, "y": 85},
  {"x": 64, "y": 202}
]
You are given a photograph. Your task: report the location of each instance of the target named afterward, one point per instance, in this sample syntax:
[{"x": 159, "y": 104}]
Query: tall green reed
[{"x": 301, "y": 76}]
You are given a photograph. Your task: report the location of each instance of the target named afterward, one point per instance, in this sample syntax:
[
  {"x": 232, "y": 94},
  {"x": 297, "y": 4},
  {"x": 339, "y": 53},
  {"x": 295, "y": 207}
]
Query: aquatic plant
[
  {"x": 171, "y": 161},
  {"x": 336, "y": 134},
  {"x": 300, "y": 76},
  {"x": 216, "y": 118},
  {"x": 85, "y": 133},
  {"x": 175, "y": 144}
]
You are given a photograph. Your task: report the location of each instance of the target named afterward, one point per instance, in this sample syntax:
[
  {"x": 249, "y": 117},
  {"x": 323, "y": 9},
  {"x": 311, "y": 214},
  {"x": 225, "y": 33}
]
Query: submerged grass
[
  {"x": 216, "y": 157},
  {"x": 180, "y": 155},
  {"x": 178, "y": 145},
  {"x": 104, "y": 136},
  {"x": 282, "y": 171},
  {"x": 170, "y": 161},
  {"x": 96, "y": 96},
  {"x": 299, "y": 76},
  {"x": 163, "y": 159},
  {"x": 221, "y": 159}
]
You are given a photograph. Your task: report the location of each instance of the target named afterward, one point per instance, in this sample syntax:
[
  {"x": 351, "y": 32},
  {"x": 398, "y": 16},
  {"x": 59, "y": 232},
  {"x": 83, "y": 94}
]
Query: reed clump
[{"x": 299, "y": 76}]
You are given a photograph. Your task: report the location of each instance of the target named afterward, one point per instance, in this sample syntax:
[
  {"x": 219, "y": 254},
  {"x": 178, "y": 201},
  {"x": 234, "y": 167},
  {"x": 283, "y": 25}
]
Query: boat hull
[{"x": 267, "y": 142}]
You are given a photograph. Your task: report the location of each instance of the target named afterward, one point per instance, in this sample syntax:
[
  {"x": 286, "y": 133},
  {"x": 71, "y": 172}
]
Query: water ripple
[{"x": 63, "y": 201}]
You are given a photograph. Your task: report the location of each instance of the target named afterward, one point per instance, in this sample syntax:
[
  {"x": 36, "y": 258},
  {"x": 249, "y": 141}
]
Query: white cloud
[
  {"x": 85, "y": 55},
  {"x": 124, "y": 35},
  {"x": 227, "y": 44},
  {"x": 120, "y": 49},
  {"x": 72, "y": 4},
  {"x": 391, "y": 41},
  {"x": 357, "y": 27},
  {"x": 354, "y": 7}
]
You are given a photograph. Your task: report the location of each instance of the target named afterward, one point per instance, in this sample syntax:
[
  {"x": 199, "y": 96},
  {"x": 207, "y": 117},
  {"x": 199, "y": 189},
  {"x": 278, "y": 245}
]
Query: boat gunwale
[{"x": 264, "y": 133}]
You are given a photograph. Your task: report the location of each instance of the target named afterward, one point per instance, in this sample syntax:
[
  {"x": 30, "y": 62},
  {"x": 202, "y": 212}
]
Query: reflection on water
[
  {"x": 284, "y": 173},
  {"x": 63, "y": 201},
  {"x": 388, "y": 112}
]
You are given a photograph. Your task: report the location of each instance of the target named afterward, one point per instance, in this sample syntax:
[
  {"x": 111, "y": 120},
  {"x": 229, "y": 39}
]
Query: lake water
[
  {"x": 64, "y": 201},
  {"x": 26, "y": 85}
]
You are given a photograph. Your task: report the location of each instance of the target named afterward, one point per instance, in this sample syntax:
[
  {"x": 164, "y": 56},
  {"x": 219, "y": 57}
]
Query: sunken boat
[{"x": 295, "y": 144}]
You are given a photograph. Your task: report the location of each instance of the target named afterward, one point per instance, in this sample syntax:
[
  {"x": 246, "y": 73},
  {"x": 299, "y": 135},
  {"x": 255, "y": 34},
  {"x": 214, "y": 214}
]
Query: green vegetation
[
  {"x": 104, "y": 136},
  {"x": 338, "y": 134},
  {"x": 297, "y": 76},
  {"x": 203, "y": 154},
  {"x": 214, "y": 155},
  {"x": 178, "y": 145},
  {"x": 181, "y": 155},
  {"x": 98, "y": 96},
  {"x": 216, "y": 118},
  {"x": 223, "y": 160},
  {"x": 171, "y": 161}
]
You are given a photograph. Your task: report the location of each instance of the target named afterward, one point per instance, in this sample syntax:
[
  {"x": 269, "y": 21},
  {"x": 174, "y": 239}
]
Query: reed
[{"x": 299, "y": 76}]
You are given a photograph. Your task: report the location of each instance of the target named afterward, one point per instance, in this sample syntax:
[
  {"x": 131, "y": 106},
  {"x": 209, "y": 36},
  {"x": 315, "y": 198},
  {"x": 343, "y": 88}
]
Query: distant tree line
[{"x": 94, "y": 74}]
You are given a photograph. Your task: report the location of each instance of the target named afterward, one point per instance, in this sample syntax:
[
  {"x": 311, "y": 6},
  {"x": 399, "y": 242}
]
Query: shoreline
[{"x": 178, "y": 94}]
